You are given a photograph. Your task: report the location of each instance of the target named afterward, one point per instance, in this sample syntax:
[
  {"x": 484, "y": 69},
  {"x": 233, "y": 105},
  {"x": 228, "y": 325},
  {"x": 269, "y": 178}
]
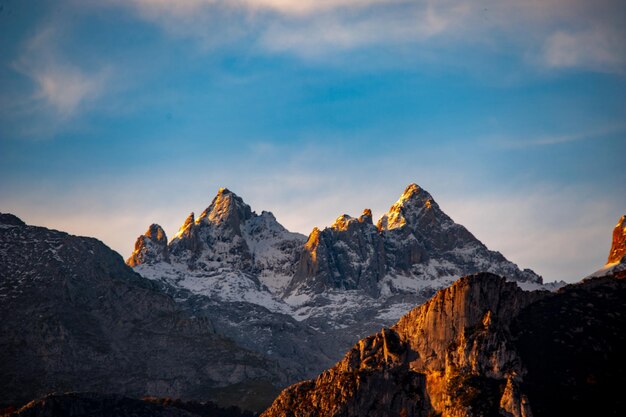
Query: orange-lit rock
[
  {"x": 618, "y": 246},
  {"x": 482, "y": 347}
]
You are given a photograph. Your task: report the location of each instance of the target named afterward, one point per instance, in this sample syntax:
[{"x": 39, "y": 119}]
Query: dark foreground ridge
[
  {"x": 483, "y": 347},
  {"x": 74, "y": 317},
  {"x": 102, "y": 405}
]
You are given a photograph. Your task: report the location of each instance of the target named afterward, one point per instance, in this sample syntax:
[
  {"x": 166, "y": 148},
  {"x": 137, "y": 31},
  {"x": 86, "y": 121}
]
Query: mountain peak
[
  {"x": 226, "y": 208},
  {"x": 618, "y": 246},
  {"x": 409, "y": 207},
  {"x": 7, "y": 219},
  {"x": 156, "y": 233},
  {"x": 341, "y": 222},
  {"x": 151, "y": 247},
  {"x": 366, "y": 217},
  {"x": 413, "y": 192}
]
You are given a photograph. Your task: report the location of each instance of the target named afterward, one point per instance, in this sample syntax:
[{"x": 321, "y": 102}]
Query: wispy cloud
[
  {"x": 549, "y": 140},
  {"x": 599, "y": 48},
  {"x": 559, "y": 33},
  {"x": 59, "y": 84}
]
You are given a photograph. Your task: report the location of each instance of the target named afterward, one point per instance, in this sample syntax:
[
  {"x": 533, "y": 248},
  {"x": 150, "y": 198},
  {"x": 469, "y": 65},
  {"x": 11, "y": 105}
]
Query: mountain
[
  {"x": 482, "y": 347},
  {"x": 269, "y": 289},
  {"x": 415, "y": 239},
  {"x": 414, "y": 250},
  {"x": 616, "y": 262},
  {"x": 73, "y": 316},
  {"x": 618, "y": 246}
]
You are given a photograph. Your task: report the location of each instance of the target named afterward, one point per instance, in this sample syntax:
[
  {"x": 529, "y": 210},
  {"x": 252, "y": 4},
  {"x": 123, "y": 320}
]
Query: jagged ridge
[{"x": 475, "y": 350}]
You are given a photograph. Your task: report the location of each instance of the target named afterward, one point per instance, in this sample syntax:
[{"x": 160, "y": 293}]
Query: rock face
[
  {"x": 227, "y": 237},
  {"x": 73, "y": 316},
  {"x": 618, "y": 247},
  {"x": 616, "y": 263},
  {"x": 150, "y": 247},
  {"x": 269, "y": 289},
  {"x": 477, "y": 349},
  {"x": 414, "y": 239},
  {"x": 349, "y": 255}
]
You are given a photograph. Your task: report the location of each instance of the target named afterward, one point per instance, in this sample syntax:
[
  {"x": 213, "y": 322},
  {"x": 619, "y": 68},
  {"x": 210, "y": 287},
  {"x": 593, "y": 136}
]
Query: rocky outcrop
[
  {"x": 73, "y": 316},
  {"x": 150, "y": 248},
  {"x": 268, "y": 289},
  {"x": 618, "y": 246},
  {"x": 414, "y": 240},
  {"x": 349, "y": 255},
  {"x": 616, "y": 262},
  {"x": 229, "y": 237},
  {"x": 477, "y": 349}
]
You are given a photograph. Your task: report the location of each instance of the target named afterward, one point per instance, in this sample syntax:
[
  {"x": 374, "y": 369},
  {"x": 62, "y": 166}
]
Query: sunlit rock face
[
  {"x": 74, "y": 317},
  {"x": 616, "y": 263},
  {"x": 349, "y": 255},
  {"x": 268, "y": 289},
  {"x": 150, "y": 247},
  {"x": 482, "y": 347},
  {"x": 415, "y": 246},
  {"x": 618, "y": 247},
  {"x": 228, "y": 237}
]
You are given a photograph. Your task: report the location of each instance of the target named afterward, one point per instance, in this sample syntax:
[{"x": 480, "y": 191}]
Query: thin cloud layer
[
  {"x": 553, "y": 34},
  {"x": 58, "y": 83}
]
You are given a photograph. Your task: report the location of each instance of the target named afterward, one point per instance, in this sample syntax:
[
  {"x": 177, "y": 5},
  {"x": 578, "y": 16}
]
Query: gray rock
[{"x": 73, "y": 316}]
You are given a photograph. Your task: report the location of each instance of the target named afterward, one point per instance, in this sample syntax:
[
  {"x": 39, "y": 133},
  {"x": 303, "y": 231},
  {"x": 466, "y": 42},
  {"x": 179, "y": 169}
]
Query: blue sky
[{"x": 116, "y": 114}]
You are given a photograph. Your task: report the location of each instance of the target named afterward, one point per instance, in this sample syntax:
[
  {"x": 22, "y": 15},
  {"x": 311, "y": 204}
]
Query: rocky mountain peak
[
  {"x": 150, "y": 248},
  {"x": 413, "y": 204},
  {"x": 156, "y": 233},
  {"x": 227, "y": 208},
  {"x": 366, "y": 217},
  {"x": 189, "y": 221},
  {"x": 413, "y": 191},
  {"x": 7, "y": 219},
  {"x": 342, "y": 222},
  {"x": 618, "y": 247}
]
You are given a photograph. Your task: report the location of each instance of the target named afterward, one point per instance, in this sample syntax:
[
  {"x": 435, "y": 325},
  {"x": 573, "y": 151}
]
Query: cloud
[
  {"x": 59, "y": 84},
  {"x": 550, "y": 140},
  {"x": 288, "y": 7},
  {"x": 555, "y": 33},
  {"x": 597, "y": 48}
]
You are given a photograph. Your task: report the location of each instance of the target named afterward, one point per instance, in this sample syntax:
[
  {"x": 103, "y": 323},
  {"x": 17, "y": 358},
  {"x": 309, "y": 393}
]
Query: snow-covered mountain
[
  {"x": 353, "y": 275},
  {"x": 229, "y": 252}
]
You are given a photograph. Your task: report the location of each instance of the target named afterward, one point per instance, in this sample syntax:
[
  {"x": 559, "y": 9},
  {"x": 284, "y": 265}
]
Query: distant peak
[
  {"x": 341, "y": 222},
  {"x": 413, "y": 191},
  {"x": 156, "y": 233},
  {"x": 189, "y": 220},
  {"x": 226, "y": 208},
  {"x": 187, "y": 224},
  {"x": 366, "y": 217},
  {"x": 618, "y": 245},
  {"x": 8, "y": 219},
  {"x": 151, "y": 247},
  {"x": 413, "y": 202}
]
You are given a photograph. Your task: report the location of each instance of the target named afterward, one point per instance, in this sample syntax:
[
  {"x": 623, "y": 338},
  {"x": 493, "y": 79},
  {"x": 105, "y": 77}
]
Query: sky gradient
[{"x": 117, "y": 114}]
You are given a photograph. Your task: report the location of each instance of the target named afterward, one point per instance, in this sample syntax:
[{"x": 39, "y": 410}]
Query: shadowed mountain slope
[{"x": 73, "y": 316}]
